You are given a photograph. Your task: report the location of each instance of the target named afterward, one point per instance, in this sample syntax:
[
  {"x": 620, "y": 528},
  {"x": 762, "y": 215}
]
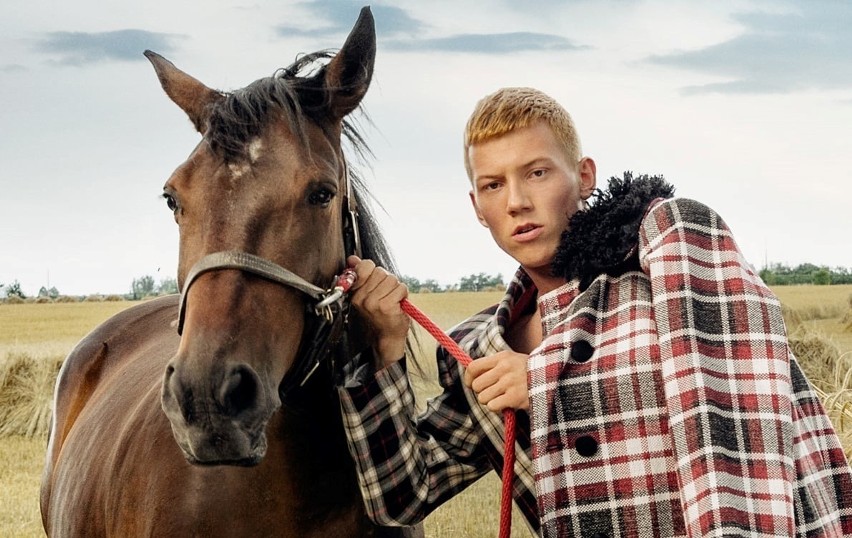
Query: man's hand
[
  {"x": 500, "y": 380},
  {"x": 376, "y": 294}
]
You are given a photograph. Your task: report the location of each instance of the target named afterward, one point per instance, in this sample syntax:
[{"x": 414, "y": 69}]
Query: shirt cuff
[{"x": 360, "y": 371}]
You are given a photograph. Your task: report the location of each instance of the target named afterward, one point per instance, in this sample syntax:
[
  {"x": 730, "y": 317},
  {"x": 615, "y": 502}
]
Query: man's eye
[{"x": 320, "y": 197}]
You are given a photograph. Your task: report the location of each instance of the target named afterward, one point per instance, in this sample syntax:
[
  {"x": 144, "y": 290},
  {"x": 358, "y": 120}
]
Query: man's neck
[
  {"x": 544, "y": 281},
  {"x": 524, "y": 333}
]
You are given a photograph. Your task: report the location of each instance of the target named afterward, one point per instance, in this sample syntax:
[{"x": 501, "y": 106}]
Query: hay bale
[
  {"x": 792, "y": 318},
  {"x": 847, "y": 322},
  {"x": 820, "y": 358},
  {"x": 830, "y": 372},
  {"x": 847, "y": 318},
  {"x": 26, "y": 394}
]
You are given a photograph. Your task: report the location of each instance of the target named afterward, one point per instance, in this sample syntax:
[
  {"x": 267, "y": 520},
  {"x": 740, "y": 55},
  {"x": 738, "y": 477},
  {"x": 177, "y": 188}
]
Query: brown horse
[{"x": 247, "y": 387}]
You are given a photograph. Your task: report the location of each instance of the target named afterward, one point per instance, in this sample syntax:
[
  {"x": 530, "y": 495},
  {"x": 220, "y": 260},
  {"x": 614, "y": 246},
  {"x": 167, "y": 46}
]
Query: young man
[{"x": 663, "y": 398}]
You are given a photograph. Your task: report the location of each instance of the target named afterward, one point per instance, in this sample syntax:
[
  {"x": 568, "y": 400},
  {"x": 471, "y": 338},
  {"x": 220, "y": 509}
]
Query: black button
[
  {"x": 581, "y": 351},
  {"x": 586, "y": 446}
]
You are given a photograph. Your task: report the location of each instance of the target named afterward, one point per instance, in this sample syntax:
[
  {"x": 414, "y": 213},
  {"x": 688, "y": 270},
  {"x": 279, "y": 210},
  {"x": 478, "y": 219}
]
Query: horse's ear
[
  {"x": 348, "y": 74},
  {"x": 189, "y": 94}
]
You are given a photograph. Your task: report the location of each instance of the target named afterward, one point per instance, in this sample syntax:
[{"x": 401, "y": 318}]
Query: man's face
[{"x": 525, "y": 190}]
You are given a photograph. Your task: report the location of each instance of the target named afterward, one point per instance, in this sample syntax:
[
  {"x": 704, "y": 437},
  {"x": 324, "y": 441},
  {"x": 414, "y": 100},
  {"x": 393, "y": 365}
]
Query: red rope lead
[{"x": 508, "y": 414}]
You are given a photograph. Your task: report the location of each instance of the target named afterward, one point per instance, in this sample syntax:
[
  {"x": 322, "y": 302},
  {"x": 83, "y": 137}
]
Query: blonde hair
[{"x": 508, "y": 109}]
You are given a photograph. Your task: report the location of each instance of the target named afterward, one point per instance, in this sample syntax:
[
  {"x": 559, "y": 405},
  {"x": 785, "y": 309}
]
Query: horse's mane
[{"x": 297, "y": 94}]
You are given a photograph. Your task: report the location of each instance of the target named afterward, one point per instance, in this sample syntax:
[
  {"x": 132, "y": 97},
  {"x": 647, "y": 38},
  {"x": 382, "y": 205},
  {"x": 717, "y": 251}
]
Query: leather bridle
[{"x": 327, "y": 309}]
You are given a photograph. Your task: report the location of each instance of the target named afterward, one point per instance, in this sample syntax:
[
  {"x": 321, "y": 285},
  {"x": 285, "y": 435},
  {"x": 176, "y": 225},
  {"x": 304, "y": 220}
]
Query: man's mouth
[{"x": 526, "y": 232}]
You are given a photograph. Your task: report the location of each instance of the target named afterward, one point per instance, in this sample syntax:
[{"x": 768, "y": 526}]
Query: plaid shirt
[
  {"x": 407, "y": 467},
  {"x": 666, "y": 401}
]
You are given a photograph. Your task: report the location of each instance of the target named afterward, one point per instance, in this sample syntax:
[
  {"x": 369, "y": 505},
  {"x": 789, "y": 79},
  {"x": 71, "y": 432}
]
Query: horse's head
[{"x": 262, "y": 208}]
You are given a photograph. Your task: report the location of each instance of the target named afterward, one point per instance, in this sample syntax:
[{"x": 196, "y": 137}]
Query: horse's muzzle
[{"x": 219, "y": 417}]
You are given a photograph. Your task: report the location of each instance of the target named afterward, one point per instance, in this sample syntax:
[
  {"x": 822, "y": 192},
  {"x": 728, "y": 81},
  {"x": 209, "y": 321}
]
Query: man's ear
[
  {"x": 476, "y": 210},
  {"x": 588, "y": 172}
]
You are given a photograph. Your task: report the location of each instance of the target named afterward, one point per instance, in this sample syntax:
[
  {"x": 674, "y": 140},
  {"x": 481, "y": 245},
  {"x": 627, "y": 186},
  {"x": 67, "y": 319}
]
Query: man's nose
[{"x": 518, "y": 199}]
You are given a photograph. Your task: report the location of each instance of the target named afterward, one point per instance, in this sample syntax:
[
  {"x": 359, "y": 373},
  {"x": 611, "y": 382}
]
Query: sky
[{"x": 744, "y": 105}]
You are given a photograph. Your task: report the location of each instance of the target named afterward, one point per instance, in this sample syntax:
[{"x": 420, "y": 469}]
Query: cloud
[
  {"x": 809, "y": 48},
  {"x": 488, "y": 43},
  {"x": 390, "y": 20},
  {"x": 12, "y": 68},
  {"x": 397, "y": 30},
  {"x": 80, "y": 48}
]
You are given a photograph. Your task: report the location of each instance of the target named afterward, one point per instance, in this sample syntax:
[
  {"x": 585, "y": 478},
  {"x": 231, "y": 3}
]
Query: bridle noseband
[{"x": 327, "y": 309}]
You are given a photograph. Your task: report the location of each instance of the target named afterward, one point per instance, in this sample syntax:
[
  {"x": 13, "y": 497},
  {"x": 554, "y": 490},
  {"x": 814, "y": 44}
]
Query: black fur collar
[{"x": 602, "y": 238}]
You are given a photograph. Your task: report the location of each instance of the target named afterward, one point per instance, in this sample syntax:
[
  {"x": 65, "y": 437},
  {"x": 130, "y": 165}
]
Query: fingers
[
  {"x": 377, "y": 291},
  {"x": 484, "y": 373},
  {"x": 376, "y": 295},
  {"x": 363, "y": 270},
  {"x": 476, "y": 369},
  {"x": 499, "y": 381},
  {"x": 375, "y": 280}
]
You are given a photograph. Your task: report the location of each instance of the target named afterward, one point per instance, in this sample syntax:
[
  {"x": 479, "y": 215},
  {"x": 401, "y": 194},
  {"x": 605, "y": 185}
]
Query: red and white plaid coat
[{"x": 666, "y": 402}]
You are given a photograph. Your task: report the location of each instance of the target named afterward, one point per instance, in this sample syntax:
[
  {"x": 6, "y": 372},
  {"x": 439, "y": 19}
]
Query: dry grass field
[{"x": 35, "y": 338}]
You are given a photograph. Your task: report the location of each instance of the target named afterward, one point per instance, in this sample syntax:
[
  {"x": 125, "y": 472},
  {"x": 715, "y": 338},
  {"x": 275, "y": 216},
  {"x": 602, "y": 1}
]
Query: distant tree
[
  {"x": 411, "y": 283},
  {"x": 14, "y": 290},
  {"x": 822, "y": 277},
  {"x": 167, "y": 286},
  {"x": 807, "y": 268},
  {"x": 471, "y": 282},
  {"x": 142, "y": 287},
  {"x": 431, "y": 286},
  {"x": 807, "y": 273},
  {"x": 53, "y": 293},
  {"x": 480, "y": 282},
  {"x": 841, "y": 275}
]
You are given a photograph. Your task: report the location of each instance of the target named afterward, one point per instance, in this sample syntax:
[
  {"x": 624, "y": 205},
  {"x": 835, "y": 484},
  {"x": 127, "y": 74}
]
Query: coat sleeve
[
  {"x": 726, "y": 375},
  {"x": 409, "y": 466}
]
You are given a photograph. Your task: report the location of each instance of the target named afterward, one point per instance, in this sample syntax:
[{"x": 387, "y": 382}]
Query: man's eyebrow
[
  {"x": 487, "y": 177},
  {"x": 533, "y": 162},
  {"x": 537, "y": 160}
]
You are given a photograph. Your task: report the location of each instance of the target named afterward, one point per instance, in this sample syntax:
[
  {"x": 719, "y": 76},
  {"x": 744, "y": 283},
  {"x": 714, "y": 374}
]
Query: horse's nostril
[{"x": 238, "y": 391}]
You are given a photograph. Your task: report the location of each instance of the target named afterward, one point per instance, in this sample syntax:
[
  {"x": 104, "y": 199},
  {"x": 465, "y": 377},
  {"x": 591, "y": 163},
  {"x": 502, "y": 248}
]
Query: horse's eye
[
  {"x": 170, "y": 201},
  {"x": 320, "y": 197}
]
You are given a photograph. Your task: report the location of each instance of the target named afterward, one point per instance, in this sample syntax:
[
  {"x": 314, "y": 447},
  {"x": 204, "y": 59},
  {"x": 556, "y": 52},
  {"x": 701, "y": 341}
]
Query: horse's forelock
[{"x": 296, "y": 92}]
